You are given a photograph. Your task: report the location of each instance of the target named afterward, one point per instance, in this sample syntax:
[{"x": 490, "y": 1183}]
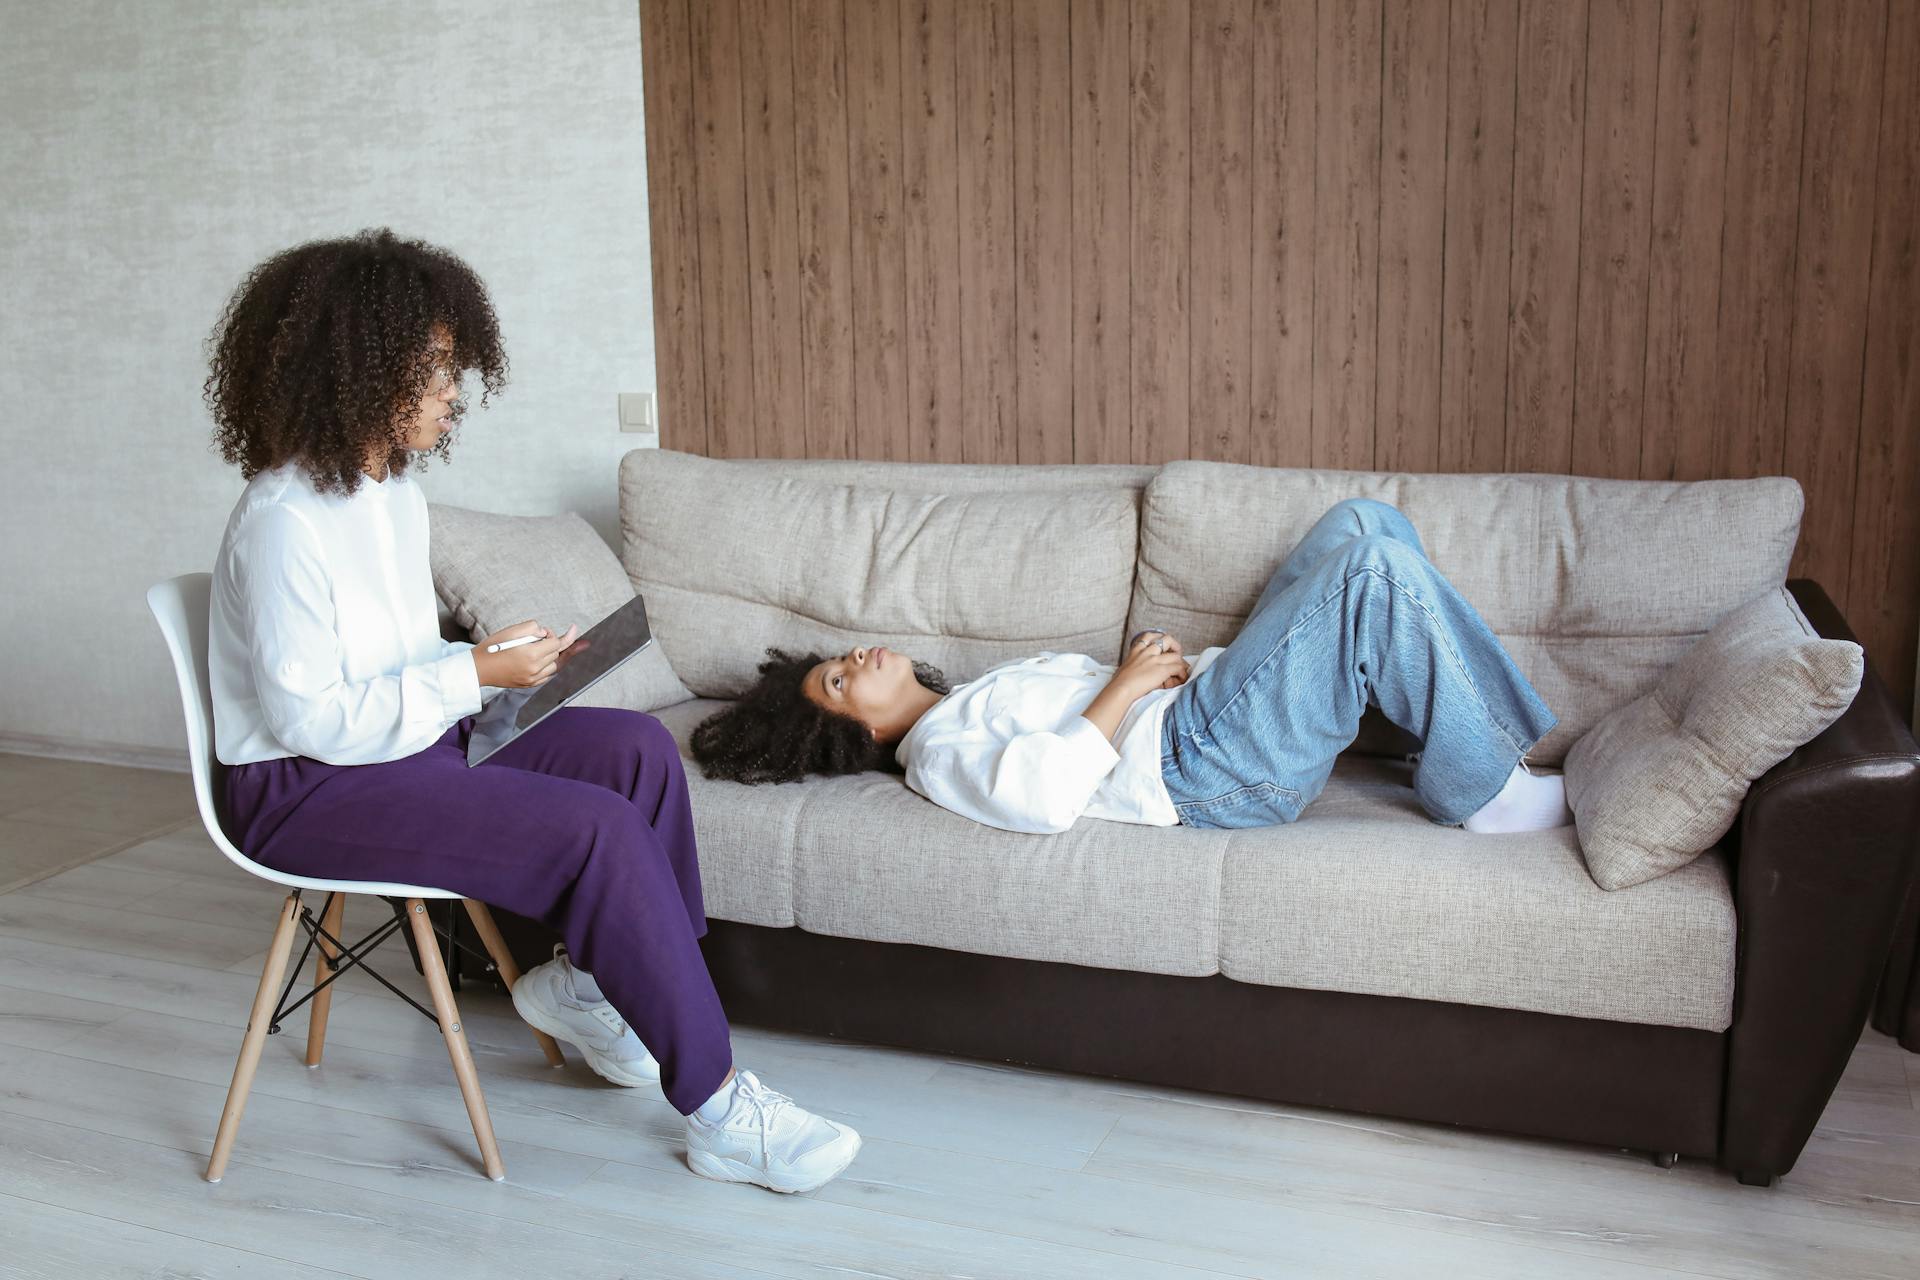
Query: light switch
[{"x": 636, "y": 411}]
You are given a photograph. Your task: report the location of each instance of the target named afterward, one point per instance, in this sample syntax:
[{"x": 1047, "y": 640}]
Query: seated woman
[
  {"x": 343, "y": 717},
  {"x": 1245, "y": 735}
]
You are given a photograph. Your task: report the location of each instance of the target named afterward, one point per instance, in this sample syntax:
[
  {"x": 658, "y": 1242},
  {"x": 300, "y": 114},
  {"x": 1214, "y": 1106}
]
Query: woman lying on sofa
[{"x": 1242, "y": 736}]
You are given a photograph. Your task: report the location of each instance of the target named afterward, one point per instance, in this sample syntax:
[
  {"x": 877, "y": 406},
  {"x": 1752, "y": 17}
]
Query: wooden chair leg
[
  {"x": 323, "y": 999},
  {"x": 435, "y": 970},
  {"x": 263, "y": 1002},
  {"x": 509, "y": 971}
]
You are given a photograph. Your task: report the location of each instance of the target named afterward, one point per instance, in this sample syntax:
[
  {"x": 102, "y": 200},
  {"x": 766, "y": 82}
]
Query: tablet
[{"x": 591, "y": 658}]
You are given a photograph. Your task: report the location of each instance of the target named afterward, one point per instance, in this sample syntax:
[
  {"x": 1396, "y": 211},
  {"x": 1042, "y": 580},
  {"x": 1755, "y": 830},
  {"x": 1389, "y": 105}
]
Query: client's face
[{"x": 875, "y": 686}]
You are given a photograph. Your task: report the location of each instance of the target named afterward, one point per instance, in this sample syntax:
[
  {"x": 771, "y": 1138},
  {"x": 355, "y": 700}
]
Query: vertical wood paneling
[
  {"x": 1102, "y": 227},
  {"x": 1661, "y": 238},
  {"x": 930, "y": 152},
  {"x": 1413, "y": 193},
  {"x": 879, "y": 245},
  {"x": 720, "y": 173},
  {"x": 1284, "y": 53},
  {"x": 1162, "y": 186},
  {"x": 1043, "y": 230},
  {"x": 826, "y": 248},
  {"x": 1221, "y": 232},
  {"x": 1765, "y": 123},
  {"x": 1610, "y": 359},
  {"x": 773, "y": 226},
  {"x": 666, "y": 47},
  {"x": 1689, "y": 185},
  {"x": 1481, "y": 60},
  {"x": 984, "y": 57},
  {"x": 1346, "y": 277},
  {"x": 1885, "y": 573},
  {"x": 1543, "y": 294},
  {"x": 1846, "y": 53}
]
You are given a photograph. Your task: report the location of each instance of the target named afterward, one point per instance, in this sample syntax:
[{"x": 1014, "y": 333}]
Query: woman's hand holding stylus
[{"x": 533, "y": 661}]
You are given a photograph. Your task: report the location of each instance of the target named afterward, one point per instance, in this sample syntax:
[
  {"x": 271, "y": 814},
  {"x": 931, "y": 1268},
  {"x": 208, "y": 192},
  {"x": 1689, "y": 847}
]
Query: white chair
[{"x": 180, "y": 606}]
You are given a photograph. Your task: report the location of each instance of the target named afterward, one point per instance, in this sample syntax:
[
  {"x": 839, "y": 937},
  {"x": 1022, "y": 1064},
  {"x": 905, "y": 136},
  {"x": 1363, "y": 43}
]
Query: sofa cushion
[
  {"x": 1661, "y": 779},
  {"x": 744, "y": 834},
  {"x": 1595, "y": 586},
  {"x": 1365, "y": 894},
  {"x": 992, "y": 564},
  {"x": 492, "y": 571}
]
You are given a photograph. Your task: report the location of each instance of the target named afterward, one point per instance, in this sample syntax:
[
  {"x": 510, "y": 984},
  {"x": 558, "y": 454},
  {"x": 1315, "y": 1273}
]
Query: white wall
[{"x": 152, "y": 153}]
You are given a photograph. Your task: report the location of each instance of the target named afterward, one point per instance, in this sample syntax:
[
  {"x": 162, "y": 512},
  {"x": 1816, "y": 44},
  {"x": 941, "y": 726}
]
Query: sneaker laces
[{"x": 765, "y": 1104}]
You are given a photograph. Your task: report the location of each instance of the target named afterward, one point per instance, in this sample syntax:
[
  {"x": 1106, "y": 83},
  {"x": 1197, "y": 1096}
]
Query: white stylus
[{"x": 508, "y": 644}]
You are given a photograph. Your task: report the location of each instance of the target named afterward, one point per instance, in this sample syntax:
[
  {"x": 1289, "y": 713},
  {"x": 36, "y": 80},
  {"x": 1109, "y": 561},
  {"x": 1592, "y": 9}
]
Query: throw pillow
[
  {"x": 1658, "y": 781},
  {"x": 495, "y": 570}
]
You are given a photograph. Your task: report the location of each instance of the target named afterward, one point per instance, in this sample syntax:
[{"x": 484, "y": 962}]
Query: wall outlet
[{"x": 636, "y": 411}]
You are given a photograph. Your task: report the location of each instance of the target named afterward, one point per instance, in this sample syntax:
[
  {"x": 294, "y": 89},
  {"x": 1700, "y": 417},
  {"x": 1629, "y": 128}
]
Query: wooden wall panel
[
  {"x": 1760, "y": 235},
  {"x": 719, "y": 159},
  {"x": 1845, "y": 55},
  {"x": 1413, "y": 196},
  {"x": 672, "y": 216},
  {"x": 1670, "y": 239},
  {"x": 1286, "y": 46},
  {"x": 825, "y": 230},
  {"x": 773, "y": 225},
  {"x": 1162, "y": 53},
  {"x": 1346, "y": 255},
  {"x": 930, "y": 145},
  {"x": 1481, "y": 68},
  {"x": 1543, "y": 291},
  {"x": 1885, "y": 569},
  {"x": 1101, "y": 49},
  {"x": 1689, "y": 184},
  {"x": 984, "y": 58},
  {"x": 876, "y": 198},
  {"x": 1220, "y": 335},
  {"x": 1610, "y": 362},
  {"x": 1043, "y": 231}
]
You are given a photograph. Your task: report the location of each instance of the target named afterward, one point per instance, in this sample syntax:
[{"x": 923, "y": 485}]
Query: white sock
[
  {"x": 714, "y": 1109},
  {"x": 1529, "y": 802}
]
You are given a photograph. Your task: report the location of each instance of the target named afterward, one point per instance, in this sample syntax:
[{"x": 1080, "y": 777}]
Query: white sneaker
[
  {"x": 764, "y": 1138},
  {"x": 544, "y": 997}
]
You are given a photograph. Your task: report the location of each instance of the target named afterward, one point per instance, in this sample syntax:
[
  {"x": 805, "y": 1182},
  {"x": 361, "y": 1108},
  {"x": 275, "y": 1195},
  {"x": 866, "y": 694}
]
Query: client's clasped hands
[{"x": 1154, "y": 660}]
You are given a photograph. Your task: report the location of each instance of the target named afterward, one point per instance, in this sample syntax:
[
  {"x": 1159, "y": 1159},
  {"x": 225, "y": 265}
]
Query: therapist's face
[
  {"x": 437, "y": 411},
  {"x": 875, "y": 686}
]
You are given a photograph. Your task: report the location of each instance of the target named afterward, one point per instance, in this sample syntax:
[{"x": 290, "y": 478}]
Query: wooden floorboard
[{"x": 124, "y": 989}]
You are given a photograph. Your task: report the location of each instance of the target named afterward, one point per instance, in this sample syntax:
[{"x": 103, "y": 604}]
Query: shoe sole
[
  {"x": 721, "y": 1169},
  {"x": 602, "y": 1066}
]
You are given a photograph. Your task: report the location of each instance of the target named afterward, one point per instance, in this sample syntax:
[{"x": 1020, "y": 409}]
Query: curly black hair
[
  {"x": 322, "y": 355},
  {"x": 775, "y": 733}
]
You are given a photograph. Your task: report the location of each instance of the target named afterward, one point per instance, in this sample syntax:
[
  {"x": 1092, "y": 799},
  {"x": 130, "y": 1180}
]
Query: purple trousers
[{"x": 582, "y": 822}]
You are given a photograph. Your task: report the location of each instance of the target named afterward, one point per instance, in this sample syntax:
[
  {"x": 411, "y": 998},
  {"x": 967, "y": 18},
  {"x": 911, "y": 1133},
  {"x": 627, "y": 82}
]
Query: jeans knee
[{"x": 1383, "y": 551}]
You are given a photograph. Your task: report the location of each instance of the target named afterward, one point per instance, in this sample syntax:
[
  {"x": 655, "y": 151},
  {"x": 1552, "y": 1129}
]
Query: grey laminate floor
[{"x": 124, "y": 988}]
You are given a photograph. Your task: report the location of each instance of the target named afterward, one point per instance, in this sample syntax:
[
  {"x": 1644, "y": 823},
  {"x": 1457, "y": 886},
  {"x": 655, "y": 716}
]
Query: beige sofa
[{"x": 1362, "y": 957}]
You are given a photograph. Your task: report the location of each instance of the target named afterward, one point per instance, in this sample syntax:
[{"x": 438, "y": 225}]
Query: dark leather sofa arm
[{"x": 1825, "y": 858}]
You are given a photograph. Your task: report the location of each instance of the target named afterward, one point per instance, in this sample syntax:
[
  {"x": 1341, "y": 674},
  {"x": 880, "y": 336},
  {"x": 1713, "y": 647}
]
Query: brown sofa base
[{"x": 1615, "y": 1084}]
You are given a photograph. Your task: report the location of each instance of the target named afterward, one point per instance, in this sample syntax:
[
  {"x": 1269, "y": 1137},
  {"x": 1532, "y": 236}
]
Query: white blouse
[
  {"x": 1012, "y": 749},
  {"x": 324, "y": 636}
]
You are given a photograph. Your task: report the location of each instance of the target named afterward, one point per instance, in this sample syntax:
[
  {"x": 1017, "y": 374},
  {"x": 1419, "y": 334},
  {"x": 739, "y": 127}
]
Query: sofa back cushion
[
  {"x": 962, "y": 566},
  {"x": 1595, "y": 586}
]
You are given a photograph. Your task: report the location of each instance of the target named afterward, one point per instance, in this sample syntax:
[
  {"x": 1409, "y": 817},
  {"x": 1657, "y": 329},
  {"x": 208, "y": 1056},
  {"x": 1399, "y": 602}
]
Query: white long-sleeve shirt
[
  {"x": 323, "y": 635},
  {"x": 1012, "y": 748}
]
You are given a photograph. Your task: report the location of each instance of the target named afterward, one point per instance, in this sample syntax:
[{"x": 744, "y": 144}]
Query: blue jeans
[{"x": 1356, "y": 615}]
